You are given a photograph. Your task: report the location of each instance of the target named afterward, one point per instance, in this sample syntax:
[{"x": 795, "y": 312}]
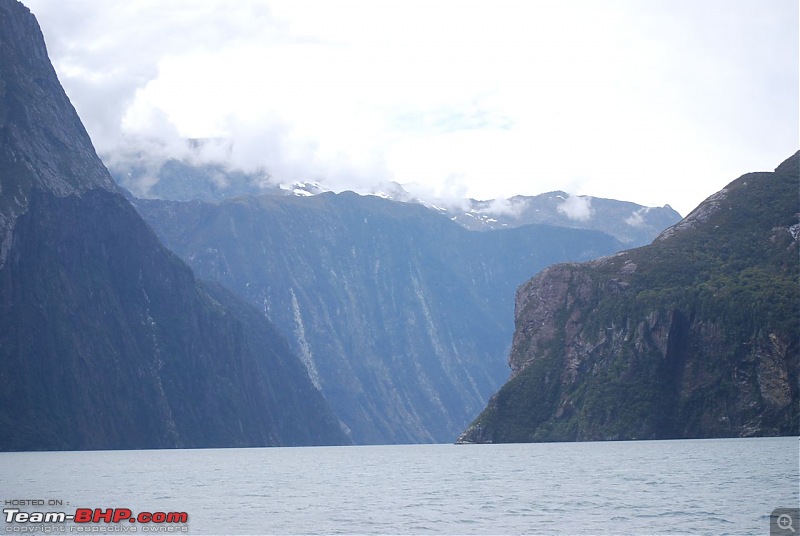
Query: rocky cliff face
[
  {"x": 695, "y": 335},
  {"x": 107, "y": 339},
  {"x": 37, "y": 125},
  {"x": 401, "y": 316}
]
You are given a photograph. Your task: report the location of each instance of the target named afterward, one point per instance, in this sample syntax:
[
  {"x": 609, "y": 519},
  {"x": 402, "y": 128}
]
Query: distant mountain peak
[
  {"x": 630, "y": 223},
  {"x": 37, "y": 122},
  {"x": 302, "y": 188}
]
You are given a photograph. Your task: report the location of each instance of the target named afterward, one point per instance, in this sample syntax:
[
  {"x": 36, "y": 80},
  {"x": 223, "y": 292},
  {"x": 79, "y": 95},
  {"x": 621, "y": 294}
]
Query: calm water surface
[{"x": 727, "y": 486}]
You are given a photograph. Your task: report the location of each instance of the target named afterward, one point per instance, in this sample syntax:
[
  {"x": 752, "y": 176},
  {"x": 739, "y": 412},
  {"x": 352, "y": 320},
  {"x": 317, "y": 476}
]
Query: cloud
[
  {"x": 636, "y": 219},
  {"x": 504, "y": 99},
  {"x": 577, "y": 208},
  {"x": 506, "y": 207},
  {"x": 108, "y": 55},
  {"x": 452, "y": 194}
]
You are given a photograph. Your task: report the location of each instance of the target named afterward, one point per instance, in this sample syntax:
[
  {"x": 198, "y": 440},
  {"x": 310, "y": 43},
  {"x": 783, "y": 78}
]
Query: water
[{"x": 726, "y": 486}]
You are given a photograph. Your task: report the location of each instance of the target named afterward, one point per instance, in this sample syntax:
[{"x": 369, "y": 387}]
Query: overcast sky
[{"x": 651, "y": 101}]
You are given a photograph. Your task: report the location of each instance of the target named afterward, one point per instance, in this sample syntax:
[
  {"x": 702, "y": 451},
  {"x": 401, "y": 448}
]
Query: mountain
[
  {"x": 632, "y": 224},
  {"x": 147, "y": 177},
  {"x": 693, "y": 336},
  {"x": 108, "y": 341},
  {"x": 401, "y": 316}
]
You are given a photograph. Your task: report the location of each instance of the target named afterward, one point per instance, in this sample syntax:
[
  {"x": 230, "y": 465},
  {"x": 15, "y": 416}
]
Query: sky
[{"x": 651, "y": 101}]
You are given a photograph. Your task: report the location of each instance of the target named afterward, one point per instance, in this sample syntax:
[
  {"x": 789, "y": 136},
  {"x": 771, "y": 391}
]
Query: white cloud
[
  {"x": 577, "y": 208},
  {"x": 636, "y": 219},
  {"x": 507, "y": 207},
  {"x": 654, "y": 102}
]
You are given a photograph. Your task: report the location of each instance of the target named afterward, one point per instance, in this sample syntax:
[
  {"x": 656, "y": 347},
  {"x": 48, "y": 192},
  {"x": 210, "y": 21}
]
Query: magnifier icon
[{"x": 785, "y": 522}]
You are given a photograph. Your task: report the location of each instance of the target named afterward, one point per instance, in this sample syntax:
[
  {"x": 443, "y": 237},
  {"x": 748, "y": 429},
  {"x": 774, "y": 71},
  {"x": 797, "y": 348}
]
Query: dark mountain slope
[
  {"x": 107, "y": 339},
  {"x": 401, "y": 316},
  {"x": 42, "y": 145},
  {"x": 695, "y": 335}
]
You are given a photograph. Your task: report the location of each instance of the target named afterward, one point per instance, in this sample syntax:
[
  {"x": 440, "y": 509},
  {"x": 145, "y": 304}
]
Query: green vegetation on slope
[{"x": 695, "y": 335}]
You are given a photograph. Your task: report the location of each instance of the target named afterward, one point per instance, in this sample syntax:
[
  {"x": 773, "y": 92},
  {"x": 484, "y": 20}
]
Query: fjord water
[{"x": 667, "y": 487}]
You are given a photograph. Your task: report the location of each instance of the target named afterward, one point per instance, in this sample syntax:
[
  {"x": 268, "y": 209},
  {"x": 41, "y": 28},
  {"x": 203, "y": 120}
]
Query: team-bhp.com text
[{"x": 83, "y": 516}]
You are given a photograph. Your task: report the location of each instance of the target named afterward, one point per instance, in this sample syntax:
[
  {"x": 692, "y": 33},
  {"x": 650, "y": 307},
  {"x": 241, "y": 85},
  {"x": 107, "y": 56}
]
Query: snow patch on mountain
[{"x": 303, "y": 189}]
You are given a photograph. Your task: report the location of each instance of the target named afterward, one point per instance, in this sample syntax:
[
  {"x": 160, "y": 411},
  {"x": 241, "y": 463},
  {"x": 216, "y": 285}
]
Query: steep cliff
[
  {"x": 401, "y": 316},
  {"x": 106, "y": 338},
  {"x": 695, "y": 335},
  {"x": 42, "y": 145}
]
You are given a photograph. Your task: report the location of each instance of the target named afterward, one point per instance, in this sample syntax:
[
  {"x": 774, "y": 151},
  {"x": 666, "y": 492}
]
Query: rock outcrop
[{"x": 693, "y": 336}]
